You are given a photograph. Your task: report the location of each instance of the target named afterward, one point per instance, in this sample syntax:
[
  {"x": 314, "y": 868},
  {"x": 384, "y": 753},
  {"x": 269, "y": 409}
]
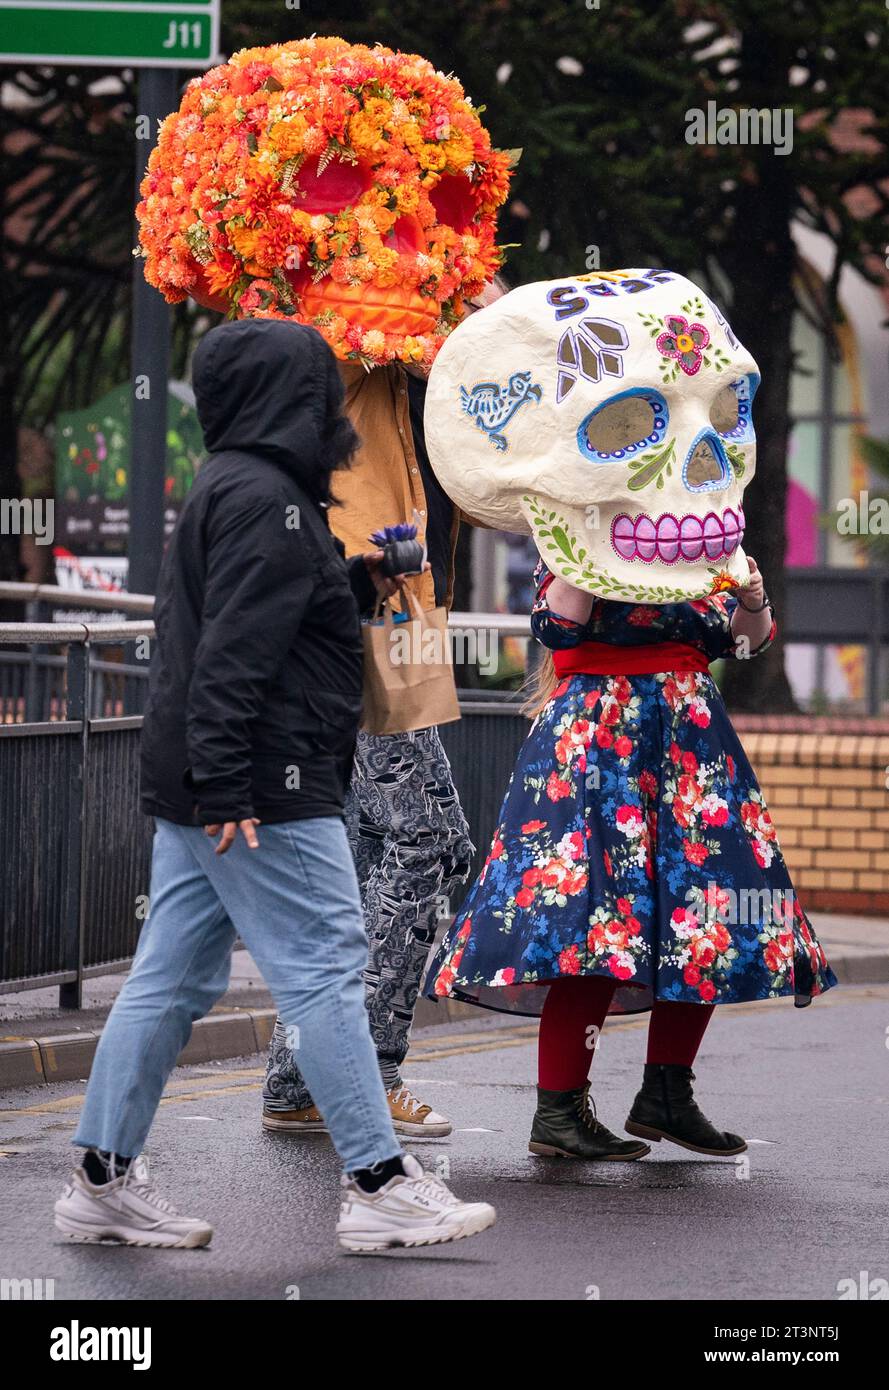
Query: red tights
[{"x": 572, "y": 1019}]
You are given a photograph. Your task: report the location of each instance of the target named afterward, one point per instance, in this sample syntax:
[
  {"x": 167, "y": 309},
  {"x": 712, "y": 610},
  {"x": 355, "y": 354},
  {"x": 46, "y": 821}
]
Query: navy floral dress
[{"x": 633, "y": 840}]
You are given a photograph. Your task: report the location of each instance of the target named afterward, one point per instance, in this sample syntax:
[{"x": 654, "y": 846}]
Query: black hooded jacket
[{"x": 255, "y": 689}]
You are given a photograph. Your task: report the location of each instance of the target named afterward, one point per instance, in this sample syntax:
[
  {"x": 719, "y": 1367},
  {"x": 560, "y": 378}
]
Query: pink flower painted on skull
[{"x": 684, "y": 341}]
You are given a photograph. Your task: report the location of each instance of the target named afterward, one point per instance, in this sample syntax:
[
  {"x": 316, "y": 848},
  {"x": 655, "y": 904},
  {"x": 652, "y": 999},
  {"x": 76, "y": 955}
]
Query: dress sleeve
[
  {"x": 720, "y": 640},
  {"x": 549, "y": 628}
]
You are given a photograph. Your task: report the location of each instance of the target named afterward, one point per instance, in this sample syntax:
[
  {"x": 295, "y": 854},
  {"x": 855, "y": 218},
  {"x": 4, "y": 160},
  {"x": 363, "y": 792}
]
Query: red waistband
[{"x": 606, "y": 659}]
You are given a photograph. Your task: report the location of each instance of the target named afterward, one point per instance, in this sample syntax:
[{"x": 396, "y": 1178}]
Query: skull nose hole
[{"x": 705, "y": 468}]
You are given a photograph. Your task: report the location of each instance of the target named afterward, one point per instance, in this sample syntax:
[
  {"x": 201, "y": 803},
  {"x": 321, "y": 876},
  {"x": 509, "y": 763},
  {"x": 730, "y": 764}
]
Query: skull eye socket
[
  {"x": 730, "y": 411},
  {"x": 623, "y": 426},
  {"x": 336, "y": 187},
  {"x": 455, "y": 202}
]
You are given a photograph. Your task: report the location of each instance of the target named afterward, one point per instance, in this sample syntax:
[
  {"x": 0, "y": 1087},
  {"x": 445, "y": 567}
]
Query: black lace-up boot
[
  {"x": 665, "y": 1108},
  {"x": 565, "y": 1126}
]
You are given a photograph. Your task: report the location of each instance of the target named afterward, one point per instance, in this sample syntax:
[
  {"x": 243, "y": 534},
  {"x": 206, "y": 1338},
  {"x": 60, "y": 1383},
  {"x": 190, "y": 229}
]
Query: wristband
[{"x": 766, "y": 603}]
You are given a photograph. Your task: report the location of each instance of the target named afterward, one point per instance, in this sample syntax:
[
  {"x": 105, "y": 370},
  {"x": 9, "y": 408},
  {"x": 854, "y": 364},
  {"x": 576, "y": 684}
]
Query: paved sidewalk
[{"x": 39, "y": 1042}]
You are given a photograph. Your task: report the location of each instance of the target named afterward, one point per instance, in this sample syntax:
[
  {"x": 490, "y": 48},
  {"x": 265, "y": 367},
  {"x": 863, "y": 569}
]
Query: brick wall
[{"x": 827, "y": 794}]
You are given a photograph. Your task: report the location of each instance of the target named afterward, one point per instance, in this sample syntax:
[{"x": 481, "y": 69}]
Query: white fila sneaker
[
  {"x": 127, "y": 1209},
  {"x": 415, "y": 1209}
]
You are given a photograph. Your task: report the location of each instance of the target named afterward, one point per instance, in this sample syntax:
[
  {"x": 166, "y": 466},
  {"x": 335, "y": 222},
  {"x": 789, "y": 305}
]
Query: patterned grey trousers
[{"x": 412, "y": 848}]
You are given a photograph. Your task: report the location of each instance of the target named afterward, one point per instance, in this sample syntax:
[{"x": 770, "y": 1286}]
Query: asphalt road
[{"x": 807, "y": 1087}]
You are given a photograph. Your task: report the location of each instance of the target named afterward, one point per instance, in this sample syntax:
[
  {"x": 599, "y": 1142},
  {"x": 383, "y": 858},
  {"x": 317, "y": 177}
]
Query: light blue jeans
[{"x": 296, "y": 905}]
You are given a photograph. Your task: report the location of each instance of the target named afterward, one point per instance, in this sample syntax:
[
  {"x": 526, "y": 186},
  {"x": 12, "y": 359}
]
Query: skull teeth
[{"x": 671, "y": 539}]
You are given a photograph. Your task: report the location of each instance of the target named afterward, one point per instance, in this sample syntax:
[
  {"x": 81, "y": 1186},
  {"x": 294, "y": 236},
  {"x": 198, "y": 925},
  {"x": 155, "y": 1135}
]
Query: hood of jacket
[{"x": 269, "y": 387}]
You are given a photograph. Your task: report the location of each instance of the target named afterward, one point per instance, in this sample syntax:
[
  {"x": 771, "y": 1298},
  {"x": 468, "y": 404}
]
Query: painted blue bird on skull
[{"x": 492, "y": 406}]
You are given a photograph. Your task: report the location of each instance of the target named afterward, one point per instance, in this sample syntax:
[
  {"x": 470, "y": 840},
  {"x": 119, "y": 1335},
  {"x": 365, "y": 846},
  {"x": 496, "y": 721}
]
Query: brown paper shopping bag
[{"x": 408, "y": 674}]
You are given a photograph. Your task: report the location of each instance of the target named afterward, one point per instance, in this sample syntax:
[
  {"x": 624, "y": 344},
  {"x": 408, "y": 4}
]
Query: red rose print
[
  {"x": 647, "y": 783},
  {"x": 633, "y": 926},
  {"x": 691, "y": 974},
  {"x": 532, "y": 826},
  {"x": 508, "y": 975},
  {"x": 689, "y": 762},
  {"x": 443, "y": 980},
  {"x": 707, "y": 991},
  {"x": 695, "y": 851},
  {"x": 556, "y": 789},
  {"x": 721, "y": 937},
  {"x": 675, "y": 753},
  {"x": 689, "y": 789},
  {"x": 569, "y": 962},
  {"x": 623, "y": 747},
  {"x": 591, "y": 698},
  {"x": 610, "y": 713},
  {"x": 531, "y": 877},
  {"x": 621, "y": 689},
  {"x": 524, "y": 897},
  {"x": 702, "y": 951},
  {"x": 624, "y": 906},
  {"x": 619, "y": 968},
  {"x": 774, "y": 957},
  {"x": 604, "y": 737},
  {"x": 714, "y": 812}
]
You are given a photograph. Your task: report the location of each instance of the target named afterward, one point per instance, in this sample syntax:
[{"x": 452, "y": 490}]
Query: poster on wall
[{"x": 92, "y": 470}]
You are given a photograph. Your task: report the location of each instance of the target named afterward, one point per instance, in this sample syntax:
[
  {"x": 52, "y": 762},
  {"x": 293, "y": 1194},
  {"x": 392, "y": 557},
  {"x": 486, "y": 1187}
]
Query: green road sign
[{"x": 110, "y": 33}]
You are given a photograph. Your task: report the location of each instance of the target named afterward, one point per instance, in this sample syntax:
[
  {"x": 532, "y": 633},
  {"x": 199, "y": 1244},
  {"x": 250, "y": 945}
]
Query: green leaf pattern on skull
[{"x": 564, "y": 558}]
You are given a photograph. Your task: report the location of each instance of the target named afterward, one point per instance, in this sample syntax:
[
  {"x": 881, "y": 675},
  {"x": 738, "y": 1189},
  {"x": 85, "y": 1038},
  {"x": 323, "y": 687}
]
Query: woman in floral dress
[{"x": 635, "y": 865}]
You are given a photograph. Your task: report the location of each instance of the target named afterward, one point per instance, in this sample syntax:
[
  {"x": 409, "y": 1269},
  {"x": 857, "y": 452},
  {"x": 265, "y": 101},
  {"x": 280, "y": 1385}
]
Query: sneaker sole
[
  {"x": 656, "y": 1135},
  {"x": 93, "y": 1235},
  {"x": 420, "y": 1131},
  {"x": 276, "y": 1126},
  {"x": 358, "y": 1243},
  {"x": 548, "y": 1151}
]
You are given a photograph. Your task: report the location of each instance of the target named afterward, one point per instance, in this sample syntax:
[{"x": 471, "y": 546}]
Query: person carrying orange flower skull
[{"x": 354, "y": 189}]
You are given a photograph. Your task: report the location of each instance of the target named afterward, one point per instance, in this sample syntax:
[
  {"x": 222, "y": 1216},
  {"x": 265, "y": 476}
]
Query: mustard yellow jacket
[{"x": 384, "y": 485}]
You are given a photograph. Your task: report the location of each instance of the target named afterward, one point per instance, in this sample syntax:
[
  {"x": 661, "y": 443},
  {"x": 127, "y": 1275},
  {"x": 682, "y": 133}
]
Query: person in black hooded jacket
[
  {"x": 253, "y": 711},
  {"x": 255, "y": 692}
]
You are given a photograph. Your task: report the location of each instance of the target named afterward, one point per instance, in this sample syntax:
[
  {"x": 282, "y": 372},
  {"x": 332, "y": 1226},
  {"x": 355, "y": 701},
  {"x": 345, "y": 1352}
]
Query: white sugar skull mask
[{"x": 608, "y": 414}]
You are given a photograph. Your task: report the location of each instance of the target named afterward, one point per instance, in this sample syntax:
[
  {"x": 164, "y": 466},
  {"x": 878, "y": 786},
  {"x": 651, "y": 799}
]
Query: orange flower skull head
[{"x": 351, "y": 188}]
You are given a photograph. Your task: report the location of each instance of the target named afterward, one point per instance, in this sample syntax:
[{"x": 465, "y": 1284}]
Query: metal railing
[{"x": 74, "y": 844}]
